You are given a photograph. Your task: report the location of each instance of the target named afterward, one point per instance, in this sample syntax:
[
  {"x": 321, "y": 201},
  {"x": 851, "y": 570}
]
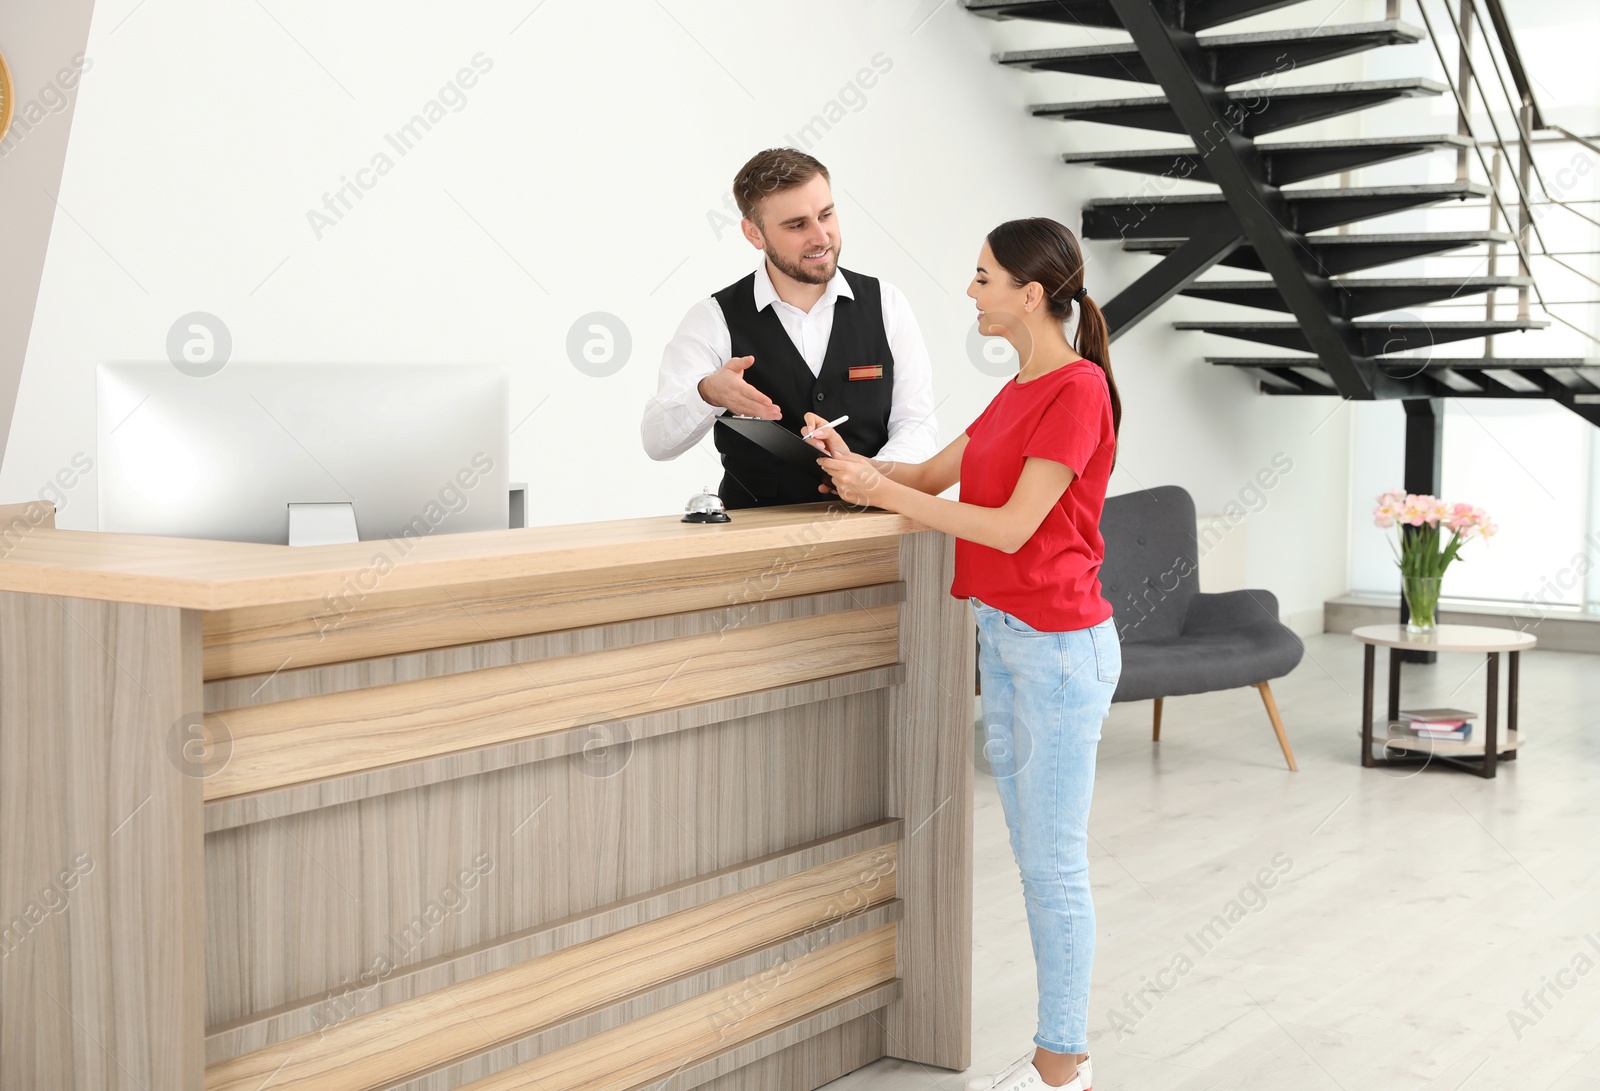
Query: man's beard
[{"x": 803, "y": 273}]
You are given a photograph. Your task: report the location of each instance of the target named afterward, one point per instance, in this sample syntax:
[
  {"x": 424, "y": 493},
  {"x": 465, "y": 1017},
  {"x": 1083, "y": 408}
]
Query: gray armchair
[{"x": 1176, "y": 639}]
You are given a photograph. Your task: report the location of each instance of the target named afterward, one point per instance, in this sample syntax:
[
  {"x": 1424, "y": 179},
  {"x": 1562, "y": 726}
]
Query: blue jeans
[{"x": 1044, "y": 696}]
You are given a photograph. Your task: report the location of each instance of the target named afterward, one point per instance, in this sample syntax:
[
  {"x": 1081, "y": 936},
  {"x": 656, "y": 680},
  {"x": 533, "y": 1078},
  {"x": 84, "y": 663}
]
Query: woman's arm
[
  {"x": 933, "y": 476},
  {"x": 1006, "y": 528}
]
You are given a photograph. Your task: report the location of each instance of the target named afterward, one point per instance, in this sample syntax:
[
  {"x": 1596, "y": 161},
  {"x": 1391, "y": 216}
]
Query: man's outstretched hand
[{"x": 726, "y": 387}]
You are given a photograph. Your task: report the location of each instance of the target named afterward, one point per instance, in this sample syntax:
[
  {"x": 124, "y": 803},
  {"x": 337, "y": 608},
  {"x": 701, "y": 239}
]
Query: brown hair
[
  {"x": 1043, "y": 250},
  {"x": 768, "y": 172}
]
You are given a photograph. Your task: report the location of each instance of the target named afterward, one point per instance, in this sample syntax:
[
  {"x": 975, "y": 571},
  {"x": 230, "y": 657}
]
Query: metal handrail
[
  {"x": 1526, "y": 113},
  {"x": 1570, "y": 135},
  {"x": 1475, "y": 306},
  {"x": 1530, "y": 107},
  {"x": 1553, "y": 254},
  {"x": 1566, "y": 138},
  {"x": 1464, "y": 114},
  {"x": 1508, "y": 46}
]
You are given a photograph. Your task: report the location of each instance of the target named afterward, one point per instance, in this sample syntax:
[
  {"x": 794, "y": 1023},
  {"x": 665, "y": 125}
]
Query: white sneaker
[{"x": 1020, "y": 1075}]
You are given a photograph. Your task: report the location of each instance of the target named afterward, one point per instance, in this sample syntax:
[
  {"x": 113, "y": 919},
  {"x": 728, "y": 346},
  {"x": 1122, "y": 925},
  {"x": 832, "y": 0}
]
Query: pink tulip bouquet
[{"x": 1423, "y": 554}]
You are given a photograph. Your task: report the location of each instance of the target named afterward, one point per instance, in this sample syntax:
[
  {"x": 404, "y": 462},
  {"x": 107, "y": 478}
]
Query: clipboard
[{"x": 777, "y": 441}]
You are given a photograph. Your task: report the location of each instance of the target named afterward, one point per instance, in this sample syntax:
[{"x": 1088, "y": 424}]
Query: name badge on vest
[{"x": 869, "y": 371}]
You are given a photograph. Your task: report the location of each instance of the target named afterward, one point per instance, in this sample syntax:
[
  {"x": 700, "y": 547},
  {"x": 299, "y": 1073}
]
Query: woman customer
[{"x": 1033, "y": 470}]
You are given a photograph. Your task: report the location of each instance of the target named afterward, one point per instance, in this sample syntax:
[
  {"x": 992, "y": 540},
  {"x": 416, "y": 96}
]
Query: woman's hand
[
  {"x": 856, "y": 479},
  {"x": 825, "y": 439}
]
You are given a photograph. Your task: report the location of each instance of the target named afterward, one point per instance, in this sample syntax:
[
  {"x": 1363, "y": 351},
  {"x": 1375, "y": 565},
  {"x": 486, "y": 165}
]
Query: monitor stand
[{"x": 322, "y": 524}]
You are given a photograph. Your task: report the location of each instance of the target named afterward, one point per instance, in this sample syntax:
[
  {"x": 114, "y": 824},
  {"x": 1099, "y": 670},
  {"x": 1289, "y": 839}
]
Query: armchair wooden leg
[
  {"x": 1277, "y": 724},
  {"x": 1155, "y": 734}
]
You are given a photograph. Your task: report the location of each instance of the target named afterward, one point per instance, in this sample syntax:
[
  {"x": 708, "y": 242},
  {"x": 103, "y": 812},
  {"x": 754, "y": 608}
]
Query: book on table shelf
[
  {"x": 1459, "y": 735},
  {"x": 1453, "y": 716},
  {"x": 1399, "y": 730},
  {"x": 1441, "y": 724}
]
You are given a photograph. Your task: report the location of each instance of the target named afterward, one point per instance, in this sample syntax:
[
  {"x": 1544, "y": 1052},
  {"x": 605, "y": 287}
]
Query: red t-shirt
[{"x": 1053, "y": 581}]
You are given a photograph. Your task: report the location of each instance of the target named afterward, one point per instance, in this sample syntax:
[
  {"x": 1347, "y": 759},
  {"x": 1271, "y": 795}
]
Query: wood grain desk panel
[
  {"x": 931, "y": 790},
  {"x": 552, "y": 841},
  {"x": 374, "y": 1050},
  {"x": 371, "y": 992},
  {"x": 101, "y": 852},
  {"x": 290, "y": 682},
  {"x": 224, "y": 814},
  {"x": 655, "y": 1046},
  {"x": 314, "y": 737},
  {"x": 354, "y": 624},
  {"x": 507, "y": 745},
  {"x": 807, "y": 1052},
  {"x": 748, "y": 1051}
]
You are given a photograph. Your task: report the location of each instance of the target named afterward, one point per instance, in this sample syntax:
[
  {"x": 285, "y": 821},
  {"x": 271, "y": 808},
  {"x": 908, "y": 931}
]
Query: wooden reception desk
[{"x": 609, "y": 806}]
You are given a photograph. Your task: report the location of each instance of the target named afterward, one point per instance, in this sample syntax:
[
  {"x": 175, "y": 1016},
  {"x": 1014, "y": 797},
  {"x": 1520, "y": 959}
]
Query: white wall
[
  {"x": 1530, "y": 463},
  {"x": 1526, "y": 462},
  {"x": 583, "y": 174}
]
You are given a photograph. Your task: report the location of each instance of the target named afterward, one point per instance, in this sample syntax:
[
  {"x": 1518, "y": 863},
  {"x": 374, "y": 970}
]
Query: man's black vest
[{"x": 857, "y": 346}]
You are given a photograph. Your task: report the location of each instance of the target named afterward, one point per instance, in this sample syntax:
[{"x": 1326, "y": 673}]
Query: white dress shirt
[{"x": 677, "y": 418}]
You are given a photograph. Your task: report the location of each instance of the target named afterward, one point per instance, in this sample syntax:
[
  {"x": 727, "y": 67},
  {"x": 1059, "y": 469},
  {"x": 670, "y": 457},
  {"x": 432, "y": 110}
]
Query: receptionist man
[{"x": 799, "y": 334}]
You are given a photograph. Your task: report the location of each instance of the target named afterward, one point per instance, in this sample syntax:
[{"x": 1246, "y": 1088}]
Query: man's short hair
[{"x": 769, "y": 172}]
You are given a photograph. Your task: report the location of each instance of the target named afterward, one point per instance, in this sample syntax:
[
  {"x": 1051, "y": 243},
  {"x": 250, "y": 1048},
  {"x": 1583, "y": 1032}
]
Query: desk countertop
[{"x": 207, "y": 575}]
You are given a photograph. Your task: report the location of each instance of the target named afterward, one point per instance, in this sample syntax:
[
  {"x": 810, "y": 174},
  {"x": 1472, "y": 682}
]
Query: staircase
[{"x": 1301, "y": 238}]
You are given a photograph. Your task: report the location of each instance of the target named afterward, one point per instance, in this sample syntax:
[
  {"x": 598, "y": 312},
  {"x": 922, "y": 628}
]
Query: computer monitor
[{"x": 416, "y": 449}]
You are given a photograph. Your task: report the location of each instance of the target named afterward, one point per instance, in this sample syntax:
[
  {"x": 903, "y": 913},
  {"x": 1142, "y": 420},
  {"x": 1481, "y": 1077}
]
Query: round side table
[{"x": 1476, "y": 757}]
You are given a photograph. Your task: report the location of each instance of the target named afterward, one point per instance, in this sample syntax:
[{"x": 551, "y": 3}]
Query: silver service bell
[{"x": 705, "y": 507}]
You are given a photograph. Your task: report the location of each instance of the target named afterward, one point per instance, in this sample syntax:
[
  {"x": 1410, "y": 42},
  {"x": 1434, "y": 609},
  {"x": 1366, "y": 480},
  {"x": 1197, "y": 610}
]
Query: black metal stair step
[
  {"x": 1374, "y": 338},
  {"x": 1282, "y": 374},
  {"x": 1467, "y": 376},
  {"x": 1285, "y": 162},
  {"x": 1181, "y": 216},
  {"x": 1195, "y": 16},
  {"x": 1253, "y": 112},
  {"x": 1336, "y": 254},
  {"x": 1562, "y": 378},
  {"x": 1229, "y": 58},
  {"x": 1357, "y": 295},
  {"x": 1568, "y": 380}
]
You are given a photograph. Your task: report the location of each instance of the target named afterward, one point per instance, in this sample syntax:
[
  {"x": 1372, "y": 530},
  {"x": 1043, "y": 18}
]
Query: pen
[{"x": 830, "y": 424}]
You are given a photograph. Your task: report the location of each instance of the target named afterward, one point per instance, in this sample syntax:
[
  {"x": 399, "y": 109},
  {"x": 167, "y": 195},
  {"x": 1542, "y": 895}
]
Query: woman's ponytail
[{"x": 1094, "y": 343}]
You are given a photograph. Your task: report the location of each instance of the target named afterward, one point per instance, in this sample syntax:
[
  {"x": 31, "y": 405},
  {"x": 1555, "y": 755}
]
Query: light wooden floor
[{"x": 1419, "y": 910}]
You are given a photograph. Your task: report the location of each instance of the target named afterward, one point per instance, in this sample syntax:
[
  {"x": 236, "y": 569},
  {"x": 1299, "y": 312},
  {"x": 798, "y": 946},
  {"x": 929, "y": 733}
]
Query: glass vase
[{"x": 1422, "y": 600}]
